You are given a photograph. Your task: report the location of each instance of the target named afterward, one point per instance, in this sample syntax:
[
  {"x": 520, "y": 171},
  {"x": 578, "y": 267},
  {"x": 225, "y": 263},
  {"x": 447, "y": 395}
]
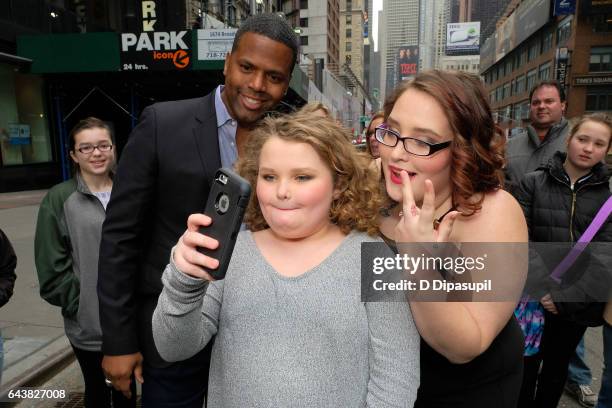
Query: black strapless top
[{"x": 492, "y": 379}]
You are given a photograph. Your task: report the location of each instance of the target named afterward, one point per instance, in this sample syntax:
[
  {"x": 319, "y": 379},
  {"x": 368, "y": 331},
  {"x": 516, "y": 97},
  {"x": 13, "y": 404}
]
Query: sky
[{"x": 377, "y": 6}]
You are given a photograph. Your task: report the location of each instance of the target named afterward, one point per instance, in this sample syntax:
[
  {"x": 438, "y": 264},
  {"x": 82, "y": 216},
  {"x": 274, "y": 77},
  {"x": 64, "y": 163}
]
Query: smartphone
[{"x": 228, "y": 199}]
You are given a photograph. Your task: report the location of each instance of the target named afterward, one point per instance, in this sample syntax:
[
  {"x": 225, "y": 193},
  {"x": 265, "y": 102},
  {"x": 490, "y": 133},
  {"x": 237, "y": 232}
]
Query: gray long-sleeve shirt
[{"x": 306, "y": 341}]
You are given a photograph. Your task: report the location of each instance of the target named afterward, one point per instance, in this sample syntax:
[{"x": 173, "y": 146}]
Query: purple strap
[{"x": 583, "y": 241}]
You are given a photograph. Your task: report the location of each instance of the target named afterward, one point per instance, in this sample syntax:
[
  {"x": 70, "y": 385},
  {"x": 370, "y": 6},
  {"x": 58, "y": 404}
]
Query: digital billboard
[
  {"x": 407, "y": 62},
  {"x": 463, "y": 38}
]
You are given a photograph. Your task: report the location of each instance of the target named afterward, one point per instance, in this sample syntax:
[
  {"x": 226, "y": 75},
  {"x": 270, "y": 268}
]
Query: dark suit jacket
[{"x": 164, "y": 175}]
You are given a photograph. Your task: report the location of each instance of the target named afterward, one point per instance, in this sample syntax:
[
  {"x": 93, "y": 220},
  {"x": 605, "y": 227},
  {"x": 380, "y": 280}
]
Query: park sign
[{"x": 154, "y": 50}]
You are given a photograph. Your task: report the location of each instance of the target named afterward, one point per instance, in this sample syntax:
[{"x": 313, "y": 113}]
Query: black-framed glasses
[
  {"x": 88, "y": 149},
  {"x": 414, "y": 146}
]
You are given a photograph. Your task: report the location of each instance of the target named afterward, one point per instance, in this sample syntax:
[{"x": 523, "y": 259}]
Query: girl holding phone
[{"x": 290, "y": 326}]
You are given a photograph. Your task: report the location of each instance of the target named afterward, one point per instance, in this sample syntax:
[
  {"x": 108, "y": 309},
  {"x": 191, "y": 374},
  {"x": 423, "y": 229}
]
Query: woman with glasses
[
  {"x": 442, "y": 158},
  {"x": 66, "y": 248}
]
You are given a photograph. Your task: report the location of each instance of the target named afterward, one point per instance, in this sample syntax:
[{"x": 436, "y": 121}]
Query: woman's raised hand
[{"x": 417, "y": 224}]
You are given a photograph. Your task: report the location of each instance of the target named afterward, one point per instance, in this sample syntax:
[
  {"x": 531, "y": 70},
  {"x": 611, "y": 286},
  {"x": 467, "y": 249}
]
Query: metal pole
[
  {"x": 133, "y": 106},
  {"x": 61, "y": 130}
]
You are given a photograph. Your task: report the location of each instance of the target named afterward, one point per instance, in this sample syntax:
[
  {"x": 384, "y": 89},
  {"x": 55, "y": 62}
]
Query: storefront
[{"x": 26, "y": 151}]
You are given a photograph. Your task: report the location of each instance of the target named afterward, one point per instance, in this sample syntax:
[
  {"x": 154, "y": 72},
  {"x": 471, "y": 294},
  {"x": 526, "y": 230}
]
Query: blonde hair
[
  {"x": 597, "y": 117},
  {"x": 312, "y": 108},
  {"x": 358, "y": 201}
]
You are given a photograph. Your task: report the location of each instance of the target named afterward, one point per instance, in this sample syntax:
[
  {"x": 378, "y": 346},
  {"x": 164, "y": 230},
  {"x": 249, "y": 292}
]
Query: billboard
[
  {"x": 528, "y": 18},
  {"x": 407, "y": 62},
  {"x": 505, "y": 40},
  {"x": 463, "y": 38},
  {"x": 531, "y": 15},
  {"x": 487, "y": 53}
]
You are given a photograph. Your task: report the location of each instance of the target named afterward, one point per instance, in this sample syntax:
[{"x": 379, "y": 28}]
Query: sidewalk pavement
[{"x": 33, "y": 330}]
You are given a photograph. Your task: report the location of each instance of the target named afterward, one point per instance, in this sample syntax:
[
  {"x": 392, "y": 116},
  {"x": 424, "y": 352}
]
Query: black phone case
[{"x": 226, "y": 216}]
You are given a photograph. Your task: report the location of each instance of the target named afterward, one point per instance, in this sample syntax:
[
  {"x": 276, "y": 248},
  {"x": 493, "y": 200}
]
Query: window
[
  {"x": 303, "y": 4},
  {"x": 601, "y": 59},
  {"x": 349, "y": 33},
  {"x": 494, "y": 75},
  {"x": 509, "y": 65},
  {"x": 534, "y": 50},
  {"x": 506, "y": 90},
  {"x": 304, "y": 40},
  {"x": 520, "y": 85},
  {"x": 507, "y": 112},
  {"x": 303, "y": 22},
  {"x": 520, "y": 110},
  {"x": 532, "y": 77},
  {"x": 492, "y": 96},
  {"x": 498, "y": 93},
  {"x": 544, "y": 71},
  {"x": 523, "y": 57},
  {"x": 564, "y": 31},
  {"x": 348, "y": 46},
  {"x": 349, "y": 19},
  {"x": 517, "y": 112},
  {"x": 602, "y": 23},
  {"x": 24, "y": 135},
  {"x": 547, "y": 41},
  {"x": 599, "y": 99},
  {"x": 349, "y": 5},
  {"x": 502, "y": 70},
  {"x": 348, "y": 58}
]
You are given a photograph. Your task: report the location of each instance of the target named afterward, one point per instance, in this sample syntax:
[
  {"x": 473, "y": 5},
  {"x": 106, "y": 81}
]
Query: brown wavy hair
[
  {"x": 359, "y": 200},
  {"x": 478, "y": 146},
  {"x": 379, "y": 114}
]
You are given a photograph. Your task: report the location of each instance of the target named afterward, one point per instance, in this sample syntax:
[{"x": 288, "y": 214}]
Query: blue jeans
[
  {"x": 605, "y": 394},
  {"x": 578, "y": 372}
]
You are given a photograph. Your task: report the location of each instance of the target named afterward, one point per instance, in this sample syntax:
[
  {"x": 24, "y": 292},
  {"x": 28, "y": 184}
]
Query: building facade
[
  {"x": 401, "y": 27},
  {"x": 61, "y": 61},
  {"x": 319, "y": 23},
  {"x": 466, "y": 63},
  {"x": 573, "y": 48},
  {"x": 353, "y": 17}
]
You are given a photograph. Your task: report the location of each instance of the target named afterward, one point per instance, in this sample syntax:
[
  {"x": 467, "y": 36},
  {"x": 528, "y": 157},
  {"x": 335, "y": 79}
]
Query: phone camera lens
[{"x": 222, "y": 203}]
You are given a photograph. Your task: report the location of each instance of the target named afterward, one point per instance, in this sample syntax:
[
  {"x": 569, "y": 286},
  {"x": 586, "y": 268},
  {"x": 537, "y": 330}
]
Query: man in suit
[{"x": 164, "y": 175}]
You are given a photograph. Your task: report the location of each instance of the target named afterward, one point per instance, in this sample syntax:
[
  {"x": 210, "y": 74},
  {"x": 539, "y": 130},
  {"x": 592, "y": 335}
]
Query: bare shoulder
[{"x": 500, "y": 219}]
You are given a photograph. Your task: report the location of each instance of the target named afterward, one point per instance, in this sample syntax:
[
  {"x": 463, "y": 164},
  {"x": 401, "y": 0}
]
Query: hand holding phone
[{"x": 227, "y": 201}]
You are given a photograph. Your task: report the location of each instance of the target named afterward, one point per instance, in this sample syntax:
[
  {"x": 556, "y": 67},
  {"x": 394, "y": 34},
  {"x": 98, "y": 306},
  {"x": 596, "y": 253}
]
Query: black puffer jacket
[
  {"x": 8, "y": 263},
  {"x": 556, "y": 212}
]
